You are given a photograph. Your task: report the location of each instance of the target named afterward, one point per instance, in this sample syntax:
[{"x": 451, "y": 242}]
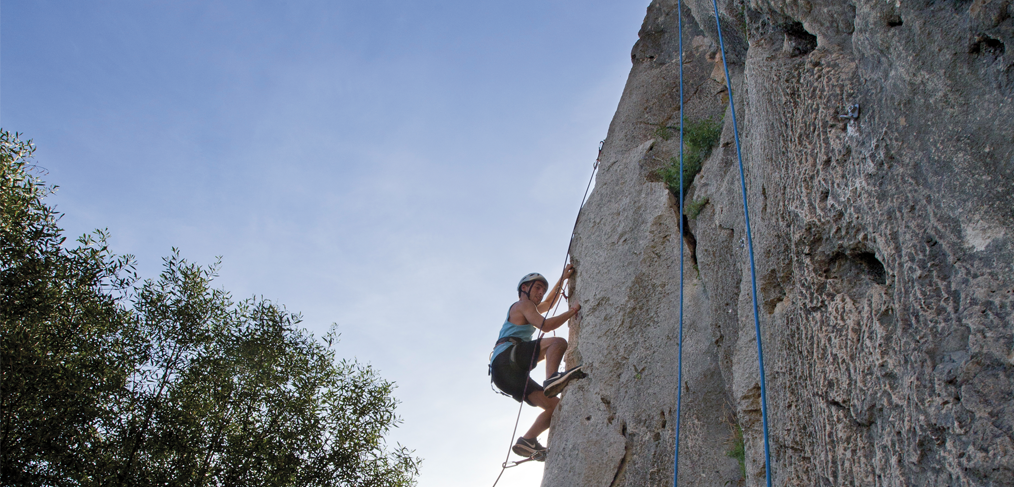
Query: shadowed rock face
[{"x": 884, "y": 248}]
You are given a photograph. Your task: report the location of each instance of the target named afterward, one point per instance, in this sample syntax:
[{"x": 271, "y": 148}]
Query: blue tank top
[{"x": 524, "y": 332}]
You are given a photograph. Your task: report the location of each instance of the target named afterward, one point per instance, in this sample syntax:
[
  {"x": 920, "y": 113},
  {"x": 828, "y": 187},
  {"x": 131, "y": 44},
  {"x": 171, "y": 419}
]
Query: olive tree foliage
[
  {"x": 235, "y": 394},
  {"x": 108, "y": 380},
  {"x": 64, "y": 338}
]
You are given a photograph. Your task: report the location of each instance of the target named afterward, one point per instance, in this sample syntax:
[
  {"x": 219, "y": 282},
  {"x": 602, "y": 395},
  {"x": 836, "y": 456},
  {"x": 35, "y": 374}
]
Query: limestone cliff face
[{"x": 884, "y": 247}]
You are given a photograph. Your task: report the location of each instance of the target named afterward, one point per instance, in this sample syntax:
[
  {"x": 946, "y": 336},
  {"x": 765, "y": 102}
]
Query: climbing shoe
[
  {"x": 531, "y": 449},
  {"x": 556, "y": 382}
]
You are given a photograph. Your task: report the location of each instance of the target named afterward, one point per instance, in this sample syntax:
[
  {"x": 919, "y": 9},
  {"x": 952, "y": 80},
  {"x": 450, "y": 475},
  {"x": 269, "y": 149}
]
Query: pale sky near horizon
[{"x": 390, "y": 166}]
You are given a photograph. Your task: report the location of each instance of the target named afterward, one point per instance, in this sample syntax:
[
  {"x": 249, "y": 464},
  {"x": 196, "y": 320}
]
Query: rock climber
[{"x": 516, "y": 354}]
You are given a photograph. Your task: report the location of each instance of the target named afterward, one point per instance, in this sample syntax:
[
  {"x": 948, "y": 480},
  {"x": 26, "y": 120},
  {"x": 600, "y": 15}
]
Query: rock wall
[{"x": 884, "y": 247}]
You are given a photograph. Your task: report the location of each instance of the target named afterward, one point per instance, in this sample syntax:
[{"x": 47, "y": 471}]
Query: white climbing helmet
[{"x": 534, "y": 276}]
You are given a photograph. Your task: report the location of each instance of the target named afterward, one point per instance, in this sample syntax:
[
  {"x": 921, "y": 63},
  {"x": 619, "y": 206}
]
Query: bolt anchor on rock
[{"x": 853, "y": 112}]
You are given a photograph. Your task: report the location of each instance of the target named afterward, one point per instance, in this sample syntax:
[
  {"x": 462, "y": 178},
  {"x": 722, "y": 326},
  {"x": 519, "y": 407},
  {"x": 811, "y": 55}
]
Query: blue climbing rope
[
  {"x": 679, "y": 354},
  {"x": 749, "y": 241}
]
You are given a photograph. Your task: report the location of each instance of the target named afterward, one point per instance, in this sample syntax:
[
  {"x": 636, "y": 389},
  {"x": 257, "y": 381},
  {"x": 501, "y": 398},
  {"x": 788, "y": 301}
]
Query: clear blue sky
[{"x": 390, "y": 166}]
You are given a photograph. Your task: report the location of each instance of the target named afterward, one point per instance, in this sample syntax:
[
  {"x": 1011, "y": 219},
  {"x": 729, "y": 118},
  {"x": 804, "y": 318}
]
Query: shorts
[{"x": 512, "y": 379}]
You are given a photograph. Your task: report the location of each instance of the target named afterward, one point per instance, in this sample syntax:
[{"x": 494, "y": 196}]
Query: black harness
[{"x": 513, "y": 349}]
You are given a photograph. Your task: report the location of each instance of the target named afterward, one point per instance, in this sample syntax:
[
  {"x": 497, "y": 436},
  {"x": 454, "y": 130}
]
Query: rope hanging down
[
  {"x": 679, "y": 354},
  {"x": 749, "y": 240},
  {"x": 504, "y": 466}
]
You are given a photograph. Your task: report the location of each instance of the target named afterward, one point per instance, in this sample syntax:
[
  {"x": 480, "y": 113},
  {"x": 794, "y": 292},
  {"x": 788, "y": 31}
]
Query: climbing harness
[
  {"x": 749, "y": 242},
  {"x": 507, "y": 463},
  {"x": 513, "y": 349}
]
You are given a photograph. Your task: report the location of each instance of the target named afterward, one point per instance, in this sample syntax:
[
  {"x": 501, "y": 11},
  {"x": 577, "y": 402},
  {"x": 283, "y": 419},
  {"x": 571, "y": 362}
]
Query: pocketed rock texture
[{"x": 884, "y": 246}]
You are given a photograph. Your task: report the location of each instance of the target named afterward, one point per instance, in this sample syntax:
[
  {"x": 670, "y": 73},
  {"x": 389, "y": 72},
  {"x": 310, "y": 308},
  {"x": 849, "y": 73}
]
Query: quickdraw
[{"x": 538, "y": 457}]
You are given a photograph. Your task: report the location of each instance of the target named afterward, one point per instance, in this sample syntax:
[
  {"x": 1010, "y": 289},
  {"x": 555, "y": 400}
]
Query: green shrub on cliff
[
  {"x": 664, "y": 132},
  {"x": 695, "y": 207},
  {"x": 737, "y": 449},
  {"x": 699, "y": 138}
]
